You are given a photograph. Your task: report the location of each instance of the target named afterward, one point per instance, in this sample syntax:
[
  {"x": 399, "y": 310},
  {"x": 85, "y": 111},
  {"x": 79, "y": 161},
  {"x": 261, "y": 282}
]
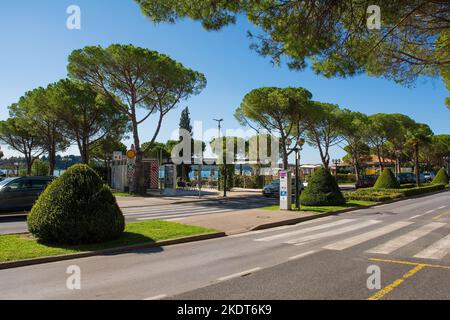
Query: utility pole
[{"x": 219, "y": 123}]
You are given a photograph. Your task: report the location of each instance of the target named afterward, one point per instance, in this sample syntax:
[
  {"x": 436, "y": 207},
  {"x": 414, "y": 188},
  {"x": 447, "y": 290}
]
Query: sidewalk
[{"x": 247, "y": 220}]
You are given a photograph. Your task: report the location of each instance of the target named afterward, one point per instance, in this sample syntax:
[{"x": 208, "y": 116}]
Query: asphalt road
[
  {"x": 327, "y": 258},
  {"x": 16, "y": 223}
]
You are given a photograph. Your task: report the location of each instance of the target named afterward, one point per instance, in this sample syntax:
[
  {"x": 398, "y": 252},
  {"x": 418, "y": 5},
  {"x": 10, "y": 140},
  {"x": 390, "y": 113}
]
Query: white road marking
[
  {"x": 301, "y": 231},
  {"x": 443, "y": 207},
  {"x": 251, "y": 233},
  {"x": 302, "y": 255},
  {"x": 160, "y": 297},
  {"x": 326, "y": 234},
  {"x": 156, "y": 217},
  {"x": 406, "y": 239},
  {"x": 431, "y": 211},
  {"x": 162, "y": 211},
  {"x": 438, "y": 250},
  {"x": 353, "y": 241},
  {"x": 418, "y": 216},
  {"x": 240, "y": 274}
]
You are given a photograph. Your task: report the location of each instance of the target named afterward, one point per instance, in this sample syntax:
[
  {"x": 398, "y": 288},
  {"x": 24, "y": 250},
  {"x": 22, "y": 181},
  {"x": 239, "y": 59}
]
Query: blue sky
[{"x": 36, "y": 43}]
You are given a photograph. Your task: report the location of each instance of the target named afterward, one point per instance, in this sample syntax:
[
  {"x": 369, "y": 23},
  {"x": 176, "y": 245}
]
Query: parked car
[
  {"x": 366, "y": 181},
  {"x": 20, "y": 194},
  {"x": 273, "y": 188},
  {"x": 429, "y": 176},
  {"x": 407, "y": 178}
]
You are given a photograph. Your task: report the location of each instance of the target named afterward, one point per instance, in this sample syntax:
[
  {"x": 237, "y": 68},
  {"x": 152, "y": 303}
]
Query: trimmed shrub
[
  {"x": 76, "y": 208},
  {"x": 441, "y": 177},
  {"x": 380, "y": 195},
  {"x": 40, "y": 168},
  {"x": 387, "y": 180},
  {"x": 345, "y": 178},
  {"x": 322, "y": 190}
]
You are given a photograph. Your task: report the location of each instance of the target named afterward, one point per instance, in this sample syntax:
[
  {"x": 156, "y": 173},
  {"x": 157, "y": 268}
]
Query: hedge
[
  {"x": 76, "y": 208},
  {"x": 322, "y": 190},
  {"x": 380, "y": 195},
  {"x": 387, "y": 180},
  {"x": 441, "y": 177}
]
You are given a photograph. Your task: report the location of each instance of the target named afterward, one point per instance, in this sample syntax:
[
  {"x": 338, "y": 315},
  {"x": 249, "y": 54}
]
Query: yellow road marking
[
  {"x": 411, "y": 263},
  {"x": 417, "y": 267},
  {"x": 441, "y": 215},
  {"x": 380, "y": 294}
]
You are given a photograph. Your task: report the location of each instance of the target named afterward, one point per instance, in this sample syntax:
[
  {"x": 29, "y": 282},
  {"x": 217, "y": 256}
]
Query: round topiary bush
[
  {"x": 387, "y": 180},
  {"x": 77, "y": 208},
  {"x": 441, "y": 177},
  {"x": 322, "y": 190}
]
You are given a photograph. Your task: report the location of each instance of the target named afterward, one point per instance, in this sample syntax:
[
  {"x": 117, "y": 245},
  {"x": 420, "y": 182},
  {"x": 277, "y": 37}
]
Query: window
[{"x": 39, "y": 184}]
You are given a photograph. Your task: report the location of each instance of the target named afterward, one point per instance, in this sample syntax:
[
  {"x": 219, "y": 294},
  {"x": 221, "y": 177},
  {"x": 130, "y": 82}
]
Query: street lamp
[
  {"x": 336, "y": 163},
  {"x": 297, "y": 149},
  {"x": 219, "y": 125}
]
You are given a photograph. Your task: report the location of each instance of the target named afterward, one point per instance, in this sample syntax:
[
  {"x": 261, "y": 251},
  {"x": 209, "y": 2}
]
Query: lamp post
[
  {"x": 297, "y": 149},
  {"x": 336, "y": 163},
  {"x": 219, "y": 125}
]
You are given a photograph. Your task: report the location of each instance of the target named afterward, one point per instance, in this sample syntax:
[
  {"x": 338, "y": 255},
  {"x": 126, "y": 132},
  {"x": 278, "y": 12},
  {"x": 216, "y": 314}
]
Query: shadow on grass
[{"x": 125, "y": 240}]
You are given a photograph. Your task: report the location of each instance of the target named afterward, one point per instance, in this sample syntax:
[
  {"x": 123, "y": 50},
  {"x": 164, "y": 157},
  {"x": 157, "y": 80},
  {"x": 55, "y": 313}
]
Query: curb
[{"x": 31, "y": 262}]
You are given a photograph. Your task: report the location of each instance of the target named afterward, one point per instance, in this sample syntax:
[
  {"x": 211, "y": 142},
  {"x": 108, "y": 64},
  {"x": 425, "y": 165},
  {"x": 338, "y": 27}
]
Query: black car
[
  {"x": 20, "y": 194},
  {"x": 273, "y": 188}
]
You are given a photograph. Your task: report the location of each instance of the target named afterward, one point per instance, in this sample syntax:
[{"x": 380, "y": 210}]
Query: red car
[{"x": 366, "y": 182}]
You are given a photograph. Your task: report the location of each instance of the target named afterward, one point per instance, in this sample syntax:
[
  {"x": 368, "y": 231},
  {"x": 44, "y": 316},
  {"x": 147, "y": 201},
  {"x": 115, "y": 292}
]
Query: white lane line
[
  {"x": 406, "y": 239},
  {"x": 353, "y": 241},
  {"x": 438, "y": 250},
  {"x": 418, "y": 216},
  {"x": 326, "y": 234},
  {"x": 302, "y": 255},
  {"x": 301, "y": 231},
  {"x": 443, "y": 207},
  {"x": 162, "y": 211},
  {"x": 240, "y": 274},
  {"x": 431, "y": 211},
  {"x": 156, "y": 217},
  {"x": 159, "y": 297}
]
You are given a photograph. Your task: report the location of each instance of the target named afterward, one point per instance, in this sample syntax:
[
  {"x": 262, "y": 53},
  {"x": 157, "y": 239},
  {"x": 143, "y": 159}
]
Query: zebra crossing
[
  {"x": 344, "y": 234},
  {"x": 184, "y": 210}
]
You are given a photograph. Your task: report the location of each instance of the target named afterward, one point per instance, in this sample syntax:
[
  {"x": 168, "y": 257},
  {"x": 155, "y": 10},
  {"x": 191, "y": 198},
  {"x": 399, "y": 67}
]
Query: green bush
[
  {"x": 322, "y": 190},
  {"x": 441, "y": 177},
  {"x": 387, "y": 180},
  {"x": 380, "y": 195},
  {"x": 40, "y": 168},
  {"x": 76, "y": 208}
]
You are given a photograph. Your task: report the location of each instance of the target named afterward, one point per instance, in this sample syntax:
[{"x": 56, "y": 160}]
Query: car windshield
[{"x": 6, "y": 181}]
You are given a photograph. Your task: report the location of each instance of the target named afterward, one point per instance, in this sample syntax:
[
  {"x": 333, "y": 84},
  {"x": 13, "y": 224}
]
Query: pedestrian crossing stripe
[
  {"x": 406, "y": 239},
  {"x": 326, "y": 234},
  {"x": 356, "y": 240},
  {"x": 306, "y": 230},
  {"x": 438, "y": 250}
]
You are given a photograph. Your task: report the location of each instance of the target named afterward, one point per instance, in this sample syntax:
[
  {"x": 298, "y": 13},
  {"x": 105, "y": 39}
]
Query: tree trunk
[
  {"x": 52, "y": 158},
  {"x": 380, "y": 160},
  {"x": 416, "y": 164}
]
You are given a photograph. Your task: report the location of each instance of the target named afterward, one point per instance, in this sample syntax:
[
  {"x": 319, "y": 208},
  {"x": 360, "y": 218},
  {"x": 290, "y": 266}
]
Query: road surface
[{"x": 327, "y": 258}]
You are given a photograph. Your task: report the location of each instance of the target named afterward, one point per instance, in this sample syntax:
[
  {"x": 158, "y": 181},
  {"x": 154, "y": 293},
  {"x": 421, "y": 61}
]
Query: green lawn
[
  {"x": 350, "y": 204},
  {"x": 20, "y": 247},
  {"x": 123, "y": 194}
]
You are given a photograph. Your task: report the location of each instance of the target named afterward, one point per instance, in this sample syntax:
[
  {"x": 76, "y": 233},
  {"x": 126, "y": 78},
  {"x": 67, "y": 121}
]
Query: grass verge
[
  {"x": 326, "y": 209},
  {"x": 23, "y": 246}
]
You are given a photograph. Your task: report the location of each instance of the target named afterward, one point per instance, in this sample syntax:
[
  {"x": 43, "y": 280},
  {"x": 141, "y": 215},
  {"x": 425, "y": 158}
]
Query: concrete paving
[{"x": 326, "y": 258}]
